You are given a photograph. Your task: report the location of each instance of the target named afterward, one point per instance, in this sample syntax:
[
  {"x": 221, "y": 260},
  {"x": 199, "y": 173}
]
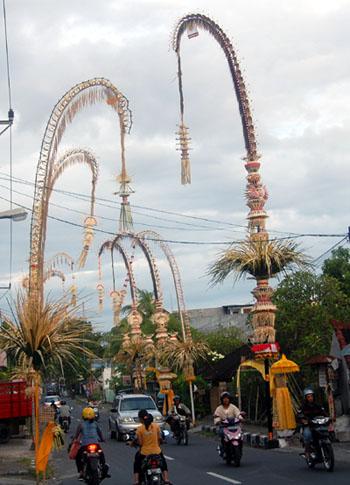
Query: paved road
[{"x": 199, "y": 464}]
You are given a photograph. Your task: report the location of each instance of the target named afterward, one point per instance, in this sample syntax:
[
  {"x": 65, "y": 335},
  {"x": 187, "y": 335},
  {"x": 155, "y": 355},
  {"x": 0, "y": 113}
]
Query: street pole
[{"x": 268, "y": 400}]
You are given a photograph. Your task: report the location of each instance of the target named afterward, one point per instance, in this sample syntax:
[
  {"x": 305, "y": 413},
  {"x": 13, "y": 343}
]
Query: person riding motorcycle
[
  {"x": 64, "y": 412},
  {"x": 149, "y": 439},
  {"x": 54, "y": 407},
  {"x": 178, "y": 408},
  {"x": 309, "y": 409},
  {"x": 226, "y": 410},
  {"x": 88, "y": 432}
]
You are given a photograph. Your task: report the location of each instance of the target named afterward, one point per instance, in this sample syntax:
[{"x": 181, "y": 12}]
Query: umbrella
[{"x": 284, "y": 366}]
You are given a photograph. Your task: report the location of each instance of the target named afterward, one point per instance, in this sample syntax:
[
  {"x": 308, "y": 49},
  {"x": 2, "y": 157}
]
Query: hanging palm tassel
[
  {"x": 101, "y": 294},
  {"x": 73, "y": 290},
  {"x": 89, "y": 224},
  {"x": 100, "y": 287},
  {"x": 117, "y": 302},
  {"x": 183, "y": 145}
]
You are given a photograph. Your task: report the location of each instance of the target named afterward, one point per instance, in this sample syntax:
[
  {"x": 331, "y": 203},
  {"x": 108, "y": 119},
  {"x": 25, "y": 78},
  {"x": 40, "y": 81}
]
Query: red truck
[{"x": 15, "y": 407}]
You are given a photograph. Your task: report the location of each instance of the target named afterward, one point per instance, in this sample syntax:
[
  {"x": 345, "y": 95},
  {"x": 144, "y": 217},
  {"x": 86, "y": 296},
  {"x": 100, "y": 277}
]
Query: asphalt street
[{"x": 199, "y": 464}]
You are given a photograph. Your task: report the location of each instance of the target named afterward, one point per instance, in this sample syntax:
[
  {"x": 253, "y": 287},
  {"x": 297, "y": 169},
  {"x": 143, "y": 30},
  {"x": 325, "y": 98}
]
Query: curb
[{"x": 254, "y": 440}]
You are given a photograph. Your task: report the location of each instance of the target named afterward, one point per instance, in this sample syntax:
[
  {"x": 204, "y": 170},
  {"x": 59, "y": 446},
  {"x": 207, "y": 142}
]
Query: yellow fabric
[
  {"x": 45, "y": 448},
  {"x": 259, "y": 366},
  {"x": 284, "y": 366},
  {"x": 149, "y": 439},
  {"x": 284, "y": 409},
  {"x": 168, "y": 401}
]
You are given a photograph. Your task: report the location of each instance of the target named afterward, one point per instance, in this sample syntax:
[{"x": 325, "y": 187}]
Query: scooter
[
  {"x": 65, "y": 423},
  {"x": 181, "y": 433},
  {"x": 321, "y": 450},
  {"x": 93, "y": 470},
  {"x": 151, "y": 471},
  {"x": 231, "y": 446}
]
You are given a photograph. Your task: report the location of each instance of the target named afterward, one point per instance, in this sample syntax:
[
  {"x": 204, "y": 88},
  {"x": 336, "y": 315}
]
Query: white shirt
[{"x": 222, "y": 413}]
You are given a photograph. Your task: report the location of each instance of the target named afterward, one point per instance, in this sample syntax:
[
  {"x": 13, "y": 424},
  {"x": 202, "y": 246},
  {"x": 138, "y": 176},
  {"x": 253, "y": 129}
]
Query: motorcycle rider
[
  {"x": 88, "y": 432},
  {"x": 149, "y": 439},
  {"x": 64, "y": 412},
  {"x": 54, "y": 407},
  {"x": 309, "y": 410},
  {"x": 178, "y": 408},
  {"x": 226, "y": 410}
]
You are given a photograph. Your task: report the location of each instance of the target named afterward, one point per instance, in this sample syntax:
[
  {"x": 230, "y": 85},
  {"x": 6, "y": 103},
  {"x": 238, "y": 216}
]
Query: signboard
[{"x": 322, "y": 376}]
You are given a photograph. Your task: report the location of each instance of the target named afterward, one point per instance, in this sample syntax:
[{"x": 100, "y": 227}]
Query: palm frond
[
  {"x": 180, "y": 354},
  {"x": 38, "y": 336},
  {"x": 260, "y": 259}
]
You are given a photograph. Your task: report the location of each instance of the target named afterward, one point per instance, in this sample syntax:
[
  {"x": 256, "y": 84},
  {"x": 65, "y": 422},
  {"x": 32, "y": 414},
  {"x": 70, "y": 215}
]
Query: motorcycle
[
  {"x": 93, "y": 470},
  {"x": 94, "y": 405},
  {"x": 231, "y": 446},
  {"x": 181, "y": 433},
  {"x": 321, "y": 450},
  {"x": 64, "y": 421},
  {"x": 151, "y": 470}
]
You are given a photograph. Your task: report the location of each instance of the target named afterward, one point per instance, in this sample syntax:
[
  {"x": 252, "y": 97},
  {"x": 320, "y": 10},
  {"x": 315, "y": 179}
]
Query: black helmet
[
  {"x": 176, "y": 398},
  {"x": 225, "y": 394},
  {"x": 142, "y": 414}
]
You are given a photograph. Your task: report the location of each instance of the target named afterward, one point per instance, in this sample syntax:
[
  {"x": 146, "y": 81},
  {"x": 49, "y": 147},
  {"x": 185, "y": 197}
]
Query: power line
[
  {"x": 86, "y": 197},
  {"x": 317, "y": 261},
  {"x": 173, "y": 241}
]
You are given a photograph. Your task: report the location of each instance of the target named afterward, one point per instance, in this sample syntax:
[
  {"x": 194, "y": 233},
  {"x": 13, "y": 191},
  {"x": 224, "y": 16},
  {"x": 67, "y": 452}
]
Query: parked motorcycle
[
  {"x": 93, "y": 470},
  {"x": 321, "y": 450},
  {"x": 231, "y": 446},
  {"x": 181, "y": 432}
]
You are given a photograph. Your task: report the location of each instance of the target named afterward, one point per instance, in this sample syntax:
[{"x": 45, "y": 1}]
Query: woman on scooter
[{"x": 149, "y": 439}]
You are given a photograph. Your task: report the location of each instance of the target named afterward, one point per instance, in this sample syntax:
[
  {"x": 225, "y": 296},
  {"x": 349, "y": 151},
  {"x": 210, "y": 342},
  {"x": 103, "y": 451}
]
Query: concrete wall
[
  {"x": 344, "y": 375},
  {"x": 209, "y": 319}
]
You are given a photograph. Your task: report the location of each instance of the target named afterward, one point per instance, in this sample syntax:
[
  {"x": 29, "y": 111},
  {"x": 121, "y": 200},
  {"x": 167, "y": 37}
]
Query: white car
[
  {"x": 48, "y": 400},
  {"x": 124, "y": 414}
]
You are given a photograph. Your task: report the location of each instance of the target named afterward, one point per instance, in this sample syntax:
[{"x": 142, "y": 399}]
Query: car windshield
[
  {"x": 137, "y": 403},
  {"x": 52, "y": 398}
]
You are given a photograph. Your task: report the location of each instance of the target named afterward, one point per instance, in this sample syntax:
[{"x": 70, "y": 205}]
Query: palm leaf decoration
[
  {"x": 261, "y": 259},
  {"x": 180, "y": 354},
  {"x": 40, "y": 336},
  {"x": 134, "y": 352}
]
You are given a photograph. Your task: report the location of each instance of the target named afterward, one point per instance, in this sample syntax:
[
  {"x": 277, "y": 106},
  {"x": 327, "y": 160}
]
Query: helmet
[
  {"x": 308, "y": 391},
  {"x": 225, "y": 394},
  {"x": 176, "y": 398},
  {"x": 143, "y": 414},
  {"x": 88, "y": 413}
]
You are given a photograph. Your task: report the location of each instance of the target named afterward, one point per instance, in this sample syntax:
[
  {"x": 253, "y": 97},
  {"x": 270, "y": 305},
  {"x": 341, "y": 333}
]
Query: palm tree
[{"x": 262, "y": 259}]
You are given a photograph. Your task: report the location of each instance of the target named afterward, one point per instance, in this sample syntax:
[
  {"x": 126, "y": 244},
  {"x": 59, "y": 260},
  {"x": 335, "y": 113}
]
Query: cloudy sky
[{"x": 294, "y": 56}]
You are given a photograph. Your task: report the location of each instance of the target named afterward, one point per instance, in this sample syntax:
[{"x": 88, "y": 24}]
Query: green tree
[
  {"x": 224, "y": 340},
  {"x": 306, "y": 303},
  {"x": 338, "y": 267}
]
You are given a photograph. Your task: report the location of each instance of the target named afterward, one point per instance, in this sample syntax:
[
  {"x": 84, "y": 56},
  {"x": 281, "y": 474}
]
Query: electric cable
[{"x": 174, "y": 241}]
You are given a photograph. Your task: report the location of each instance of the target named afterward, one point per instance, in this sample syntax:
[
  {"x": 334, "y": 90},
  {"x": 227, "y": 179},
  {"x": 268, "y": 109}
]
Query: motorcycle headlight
[{"x": 127, "y": 420}]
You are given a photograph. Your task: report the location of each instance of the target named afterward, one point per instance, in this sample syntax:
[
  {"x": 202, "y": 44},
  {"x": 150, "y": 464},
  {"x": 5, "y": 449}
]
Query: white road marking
[
  {"x": 169, "y": 458},
  {"x": 226, "y": 479}
]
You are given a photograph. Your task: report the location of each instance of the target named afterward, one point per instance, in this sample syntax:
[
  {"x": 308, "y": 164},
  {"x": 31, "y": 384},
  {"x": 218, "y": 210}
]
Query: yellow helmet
[{"x": 88, "y": 413}]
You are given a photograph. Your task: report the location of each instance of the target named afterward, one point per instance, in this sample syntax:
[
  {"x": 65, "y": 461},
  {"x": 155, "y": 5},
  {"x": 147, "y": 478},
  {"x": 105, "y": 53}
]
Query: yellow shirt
[{"x": 149, "y": 439}]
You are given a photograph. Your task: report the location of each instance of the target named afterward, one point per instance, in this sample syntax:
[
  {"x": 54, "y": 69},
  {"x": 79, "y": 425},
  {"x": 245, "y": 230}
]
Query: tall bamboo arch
[{"x": 81, "y": 95}]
